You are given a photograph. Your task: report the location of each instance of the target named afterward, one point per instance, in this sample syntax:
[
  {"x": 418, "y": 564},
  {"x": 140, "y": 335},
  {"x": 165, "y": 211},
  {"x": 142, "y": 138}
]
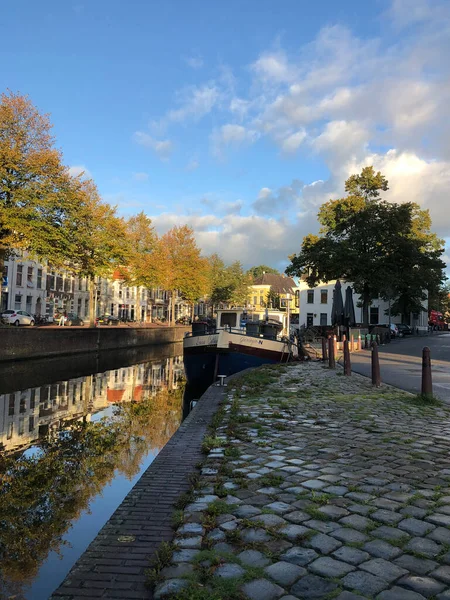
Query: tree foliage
[
  {"x": 259, "y": 271},
  {"x": 385, "y": 249},
  {"x": 35, "y": 206},
  {"x": 229, "y": 284},
  {"x": 142, "y": 264}
]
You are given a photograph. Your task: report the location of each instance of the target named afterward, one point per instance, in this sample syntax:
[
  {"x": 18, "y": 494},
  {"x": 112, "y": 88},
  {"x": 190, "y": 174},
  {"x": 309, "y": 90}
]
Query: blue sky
[{"x": 240, "y": 118}]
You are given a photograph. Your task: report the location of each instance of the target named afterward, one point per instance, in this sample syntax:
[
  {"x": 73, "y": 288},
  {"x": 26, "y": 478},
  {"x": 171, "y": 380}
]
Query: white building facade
[{"x": 316, "y": 306}]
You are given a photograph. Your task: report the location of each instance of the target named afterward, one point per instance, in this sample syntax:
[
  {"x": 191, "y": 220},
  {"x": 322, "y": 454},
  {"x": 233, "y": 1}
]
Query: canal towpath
[{"x": 312, "y": 485}]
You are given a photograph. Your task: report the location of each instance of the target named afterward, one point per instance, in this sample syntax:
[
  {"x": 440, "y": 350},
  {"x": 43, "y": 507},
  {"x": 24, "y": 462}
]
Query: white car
[{"x": 18, "y": 317}]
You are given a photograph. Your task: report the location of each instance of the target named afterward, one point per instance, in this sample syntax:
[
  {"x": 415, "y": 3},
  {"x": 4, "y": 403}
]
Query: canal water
[{"x": 76, "y": 433}]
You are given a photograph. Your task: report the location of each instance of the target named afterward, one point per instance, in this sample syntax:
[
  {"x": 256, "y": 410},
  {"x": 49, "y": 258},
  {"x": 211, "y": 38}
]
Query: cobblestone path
[{"x": 316, "y": 485}]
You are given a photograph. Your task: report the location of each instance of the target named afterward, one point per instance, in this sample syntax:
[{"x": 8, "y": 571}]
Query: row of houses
[{"x": 39, "y": 289}]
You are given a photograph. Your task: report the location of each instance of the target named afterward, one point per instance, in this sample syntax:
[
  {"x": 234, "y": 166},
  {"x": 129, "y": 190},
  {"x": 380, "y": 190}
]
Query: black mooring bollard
[
  {"x": 347, "y": 363},
  {"x": 427, "y": 383},
  {"x": 376, "y": 377},
  {"x": 331, "y": 354},
  {"x": 324, "y": 349}
]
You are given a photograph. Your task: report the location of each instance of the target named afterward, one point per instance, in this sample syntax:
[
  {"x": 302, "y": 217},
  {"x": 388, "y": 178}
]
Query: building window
[
  {"x": 120, "y": 293},
  {"x": 10, "y": 431},
  {"x": 19, "y": 275},
  {"x": 30, "y": 276},
  {"x": 255, "y": 300},
  {"x": 310, "y": 297},
  {"x": 30, "y": 424},
  {"x": 112, "y": 310},
  {"x": 11, "y": 406},
  {"x": 52, "y": 281},
  {"x": 309, "y": 320},
  {"x": 5, "y": 271},
  {"x": 17, "y": 302},
  {"x": 86, "y": 307},
  {"x": 23, "y": 403},
  {"x": 21, "y": 426},
  {"x": 323, "y": 296},
  {"x": 323, "y": 319},
  {"x": 39, "y": 279},
  {"x": 32, "y": 399},
  {"x": 374, "y": 315}
]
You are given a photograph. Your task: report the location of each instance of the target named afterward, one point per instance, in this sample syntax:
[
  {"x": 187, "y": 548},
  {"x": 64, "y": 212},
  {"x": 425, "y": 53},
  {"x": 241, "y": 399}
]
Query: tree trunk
[{"x": 91, "y": 302}]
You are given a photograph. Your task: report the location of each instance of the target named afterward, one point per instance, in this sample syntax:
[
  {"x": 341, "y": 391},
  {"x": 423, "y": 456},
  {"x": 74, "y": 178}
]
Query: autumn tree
[
  {"x": 98, "y": 238},
  {"x": 181, "y": 266},
  {"x": 35, "y": 202},
  {"x": 142, "y": 266},
  {"x": 384, "y": 249},
  {"x": 230, "y": 284}
]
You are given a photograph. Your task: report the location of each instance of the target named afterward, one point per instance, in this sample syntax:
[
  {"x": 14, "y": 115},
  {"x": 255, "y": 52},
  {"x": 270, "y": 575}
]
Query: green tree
[
  {"x": 273, "y": 299},
  {"x": 240, "y": 282},
  {"x": 259, "y": 271},
  {"x": 35, "y": 202},
  {"x": 98, "y": 238},
  {"x": 385, "y": 249},
  {"x": 142, "y": 265},
  {"x": 439, "y": 299}
]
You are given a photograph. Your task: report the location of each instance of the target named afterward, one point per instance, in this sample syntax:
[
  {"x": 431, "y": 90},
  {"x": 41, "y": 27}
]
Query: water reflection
[{"x": 63, "y": 443}]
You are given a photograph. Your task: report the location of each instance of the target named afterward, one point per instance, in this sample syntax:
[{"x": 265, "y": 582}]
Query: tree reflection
[{"x": 41, "y": 494}]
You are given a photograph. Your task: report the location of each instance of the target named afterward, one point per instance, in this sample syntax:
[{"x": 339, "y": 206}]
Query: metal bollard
[
  {"x": 324, "y": 349},
  {"x": 344, "y": 337},
  {"x": 347, "y": 363},
  {"x": 335, "y": 346},
  {"x": 376, "y": 377},
  {"x": 331, "y": 353},
  {"x": 427, "y": 383},
  {"x": 366, "y": 341},
  {"x": 359, "y": 342}
]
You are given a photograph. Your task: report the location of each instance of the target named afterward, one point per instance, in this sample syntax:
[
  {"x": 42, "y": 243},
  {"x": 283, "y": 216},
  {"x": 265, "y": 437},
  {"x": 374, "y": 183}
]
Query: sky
[{"x": 240, "y": 118}]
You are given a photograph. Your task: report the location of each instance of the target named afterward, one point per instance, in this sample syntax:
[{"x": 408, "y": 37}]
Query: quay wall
[{"x": 17, "y": 343}]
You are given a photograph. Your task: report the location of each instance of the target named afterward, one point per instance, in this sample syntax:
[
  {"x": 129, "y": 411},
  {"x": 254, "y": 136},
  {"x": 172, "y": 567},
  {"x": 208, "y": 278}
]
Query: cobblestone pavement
[{"x": 316, "y": 485}]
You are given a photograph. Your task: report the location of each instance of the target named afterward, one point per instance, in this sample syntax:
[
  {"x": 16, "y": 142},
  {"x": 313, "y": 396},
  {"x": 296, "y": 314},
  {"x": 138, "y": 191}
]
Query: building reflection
[{"x": 28, "y": 415}]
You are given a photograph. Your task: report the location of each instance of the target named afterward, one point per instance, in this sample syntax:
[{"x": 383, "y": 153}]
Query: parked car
[
  {"x": 384, "y": 327},
  {"x": 17, "y": 317},
  {"x": 107, "y": 320},
  {"x": 404, "y": 329},
  {"x": 69, "y": 319}
]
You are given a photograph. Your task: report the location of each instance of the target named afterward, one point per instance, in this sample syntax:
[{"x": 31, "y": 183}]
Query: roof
[{"x": 278, "y": 283}]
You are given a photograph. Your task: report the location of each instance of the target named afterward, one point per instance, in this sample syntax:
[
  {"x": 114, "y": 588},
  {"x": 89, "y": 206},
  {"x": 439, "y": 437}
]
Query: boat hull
[{"x": 199, "y": 357}]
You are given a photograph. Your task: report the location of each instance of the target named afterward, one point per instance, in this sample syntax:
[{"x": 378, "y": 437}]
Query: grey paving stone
[
  {"x": 229, "y": 526},
  {"x": 386, "y": 503},
  {"x": 390, "y": 534},
  {"x": 229, "y": 571},
  {"x": 444, "y": 596},
  {"x": 356, "y": 521},
  {"x": 382, "y": 549},
  {"x": 312, "y": 586},
  {"x": 350, "y": 596},
  {"x": 299, "y": 556},
  {"x": 216, "y": 535},
  {"x": 168, "y": 588},
  {"x": 297, "y": 516},
  {"x": 224, "y": 548},
  {"x": 427, "y": 586},
  {"x": 275, "y": 464},
  {"x": 329, "y": 567},
  {"x": 335, "y": 512},
  {"x": 418, "y": 566},
  {"x": 269, "y": 520},
  {"x": 442, "y": 573},
  {"x": 270, "y": 490},
  {"x": 255, "y": 535},
  {"x": 189, "y": 542},
  {"x": 348, "y": 535},
  {"x": 184, "y": 555},
  {"x": 191, "y": 528},
  {"x": 324, "y": 544},
  {"x": 423, "y": 546},
  {"x": 262, "y": 589},
  {"x": 389, "y": 517},
  {"x": 398, "y": 593},
  {"x": 415, "y": 527},
  {"x": 337, "y": 490},
  {"x": 384, "y": 569},
  {"x": 441, "y": 535},
  {"x": 361, "y": 509},
  {"x": 245, "y": 511},
  {"x": 253, "y": 558},
  {"x": 285, "y": 573},
  {"x": 364, "y": 582},
  {"x": 314, "y": 484},
  {"x": 439, "y": 519},
  {"x": 294, "y": 532},
  {"x": 350, "y": 555},
  {"x": 413, "y": 511},
  {"x": 279, "y": 507},
  {"x": 322, "y": 526}
]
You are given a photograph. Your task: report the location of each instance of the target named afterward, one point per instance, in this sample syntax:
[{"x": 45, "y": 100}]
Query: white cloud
[
  {"x": 195, "y": 61},
  {"x": 76, "y": 170},
  {"x": 281, "y": 201},
  {"x": 293, "y": 142},
  {"x": 163, "y": 148},
  {"x": 196, "y": 102},
  {"x": 140, "y": 176},
  {"x": 274, "y": 66},
  {"x": 231, "y": 135}
]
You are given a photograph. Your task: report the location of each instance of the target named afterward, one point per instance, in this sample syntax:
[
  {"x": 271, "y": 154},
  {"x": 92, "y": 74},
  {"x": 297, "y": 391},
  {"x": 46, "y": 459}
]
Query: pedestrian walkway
[{"x": 315, "y": 485}]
